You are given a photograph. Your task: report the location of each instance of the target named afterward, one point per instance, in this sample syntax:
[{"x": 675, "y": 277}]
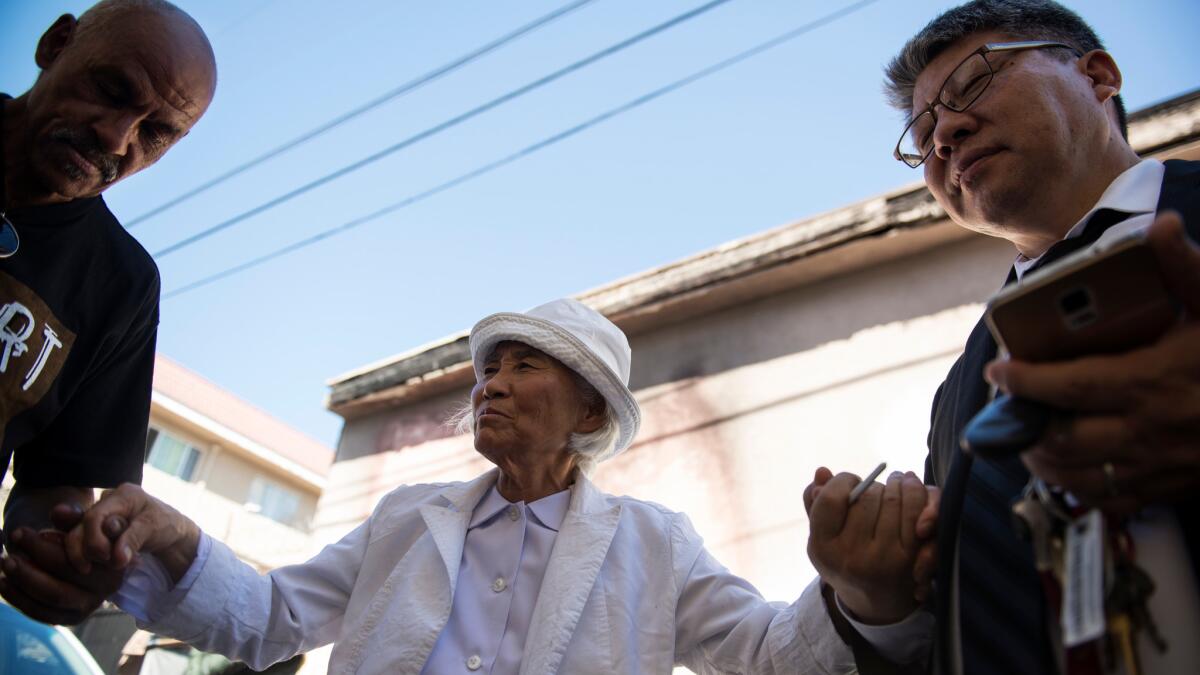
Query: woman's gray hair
[{"x": 590, "y": 449}]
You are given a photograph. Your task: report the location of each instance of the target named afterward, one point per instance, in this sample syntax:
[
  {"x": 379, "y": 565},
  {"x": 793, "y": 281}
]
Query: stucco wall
[{"x": 227, "y": 472}]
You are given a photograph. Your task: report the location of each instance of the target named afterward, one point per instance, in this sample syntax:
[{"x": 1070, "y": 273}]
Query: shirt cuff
[
  {"x": 906, "y": 641},
  {"x": 146, "y": 593}
]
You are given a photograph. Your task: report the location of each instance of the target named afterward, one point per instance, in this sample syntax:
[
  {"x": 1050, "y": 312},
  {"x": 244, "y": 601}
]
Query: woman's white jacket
[{"x": 629, "y": 588}]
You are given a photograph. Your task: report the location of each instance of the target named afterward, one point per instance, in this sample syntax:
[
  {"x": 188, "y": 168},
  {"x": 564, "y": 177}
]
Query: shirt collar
[
  {"x": 1135, "y": 191},
  {"x": 549, "y": 511}
]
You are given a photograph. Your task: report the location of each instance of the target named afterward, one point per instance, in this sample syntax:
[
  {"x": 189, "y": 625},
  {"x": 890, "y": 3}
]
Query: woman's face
[{"x": 526, "y": 407}]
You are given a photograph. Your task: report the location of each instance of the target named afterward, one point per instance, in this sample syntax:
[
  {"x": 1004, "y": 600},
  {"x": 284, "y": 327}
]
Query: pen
[{"x": 862, "y": 487}]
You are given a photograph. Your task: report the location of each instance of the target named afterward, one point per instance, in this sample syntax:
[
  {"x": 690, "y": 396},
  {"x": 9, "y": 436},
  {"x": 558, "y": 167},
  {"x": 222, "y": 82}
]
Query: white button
[
  {"x": 474, "y": 662},
  {"x": 499, "y": 585},
  {"x": 513, "y": 513}
]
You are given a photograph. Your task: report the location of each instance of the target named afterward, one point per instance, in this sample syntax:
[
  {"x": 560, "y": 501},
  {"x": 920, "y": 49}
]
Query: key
[
  {"x": 1035, "y": 524},
  {"x": 1132, "y": 588},
  {"x": 1141, "y": 587},
  {"x": 1120, "y": 638}
]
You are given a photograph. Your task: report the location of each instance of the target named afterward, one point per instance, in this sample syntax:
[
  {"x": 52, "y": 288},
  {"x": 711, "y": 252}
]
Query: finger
[
  {"x": 155, "y": 528},
  {"x": 66, "y": 515},
  {"x": 112, "y": 527},
  {"x": 1092, "y": 483},
  {"x": 820, "y": 478},
  {"x": 810, "y": 496},
  {"x": 913, "y": 496},
  {"x": 45, "y": 552},
  {"x": 1178, "y": 258},
  {"x": 48, "y": 591},
  {"x": 1089, "y": 384},
  {"x": 33, "y": 609},
  {"x": 887, "y": 524},
  {"x": 139, "y": 531},
  {"x": 828, "y": 515},
  {"x": 125, "y": 503},
  {"x": 73, "y": 547},
  {"x": 1090, "y": 440},
  {"x": 923, "y": 570},
  {"x": 863, "y": 515},
  {"x": 927, "y": 521}
]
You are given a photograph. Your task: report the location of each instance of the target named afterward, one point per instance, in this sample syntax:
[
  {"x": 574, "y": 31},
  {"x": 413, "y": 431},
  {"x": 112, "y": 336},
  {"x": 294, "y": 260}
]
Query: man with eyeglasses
[{"x": 1016, "y": 122}]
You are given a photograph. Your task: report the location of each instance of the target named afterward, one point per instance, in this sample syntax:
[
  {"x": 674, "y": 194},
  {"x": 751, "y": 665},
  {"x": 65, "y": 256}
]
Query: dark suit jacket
[{"x": 964, "y": 393}]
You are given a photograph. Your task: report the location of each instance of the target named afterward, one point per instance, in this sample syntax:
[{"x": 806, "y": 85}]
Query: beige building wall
[
  {"x": 228, "y": 471},
  {"x": 741, "y": 406}
]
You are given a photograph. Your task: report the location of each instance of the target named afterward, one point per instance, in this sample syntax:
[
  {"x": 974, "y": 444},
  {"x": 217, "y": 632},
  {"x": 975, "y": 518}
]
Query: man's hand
[
  {"x": 877, "y": 554},
  {"x": 1135, "y": 436},
  {"x": 39, "y": 580}
]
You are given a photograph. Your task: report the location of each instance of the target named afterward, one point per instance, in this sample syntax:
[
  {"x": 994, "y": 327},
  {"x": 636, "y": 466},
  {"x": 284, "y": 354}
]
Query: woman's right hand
[
  {"x": 150, "y": 526},
  {"x": 879, "y": 553}
]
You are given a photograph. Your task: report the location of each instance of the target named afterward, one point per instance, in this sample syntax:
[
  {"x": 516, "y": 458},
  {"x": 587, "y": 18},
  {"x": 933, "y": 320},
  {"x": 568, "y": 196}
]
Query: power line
[
  {"x": 411, "y": 85},
  {"x": 454, "y": 121},
  {"x": 529, "y": 150}
]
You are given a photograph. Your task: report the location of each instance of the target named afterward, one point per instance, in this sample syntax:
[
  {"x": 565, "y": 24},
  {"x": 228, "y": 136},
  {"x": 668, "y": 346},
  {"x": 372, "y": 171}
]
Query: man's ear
[
  {"x": 1100, "y": 67},
  {"x": 55, "y": 40}
]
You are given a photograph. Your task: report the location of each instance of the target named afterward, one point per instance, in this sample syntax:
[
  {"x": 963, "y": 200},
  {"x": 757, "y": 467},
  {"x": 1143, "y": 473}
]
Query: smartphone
[
  {"x": 1099, "y": 300},
  {"x": 1107, "y": 298}
]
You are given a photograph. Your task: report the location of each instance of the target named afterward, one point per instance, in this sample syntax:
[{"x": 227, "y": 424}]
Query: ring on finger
[{"x": 1110, "y": 479}]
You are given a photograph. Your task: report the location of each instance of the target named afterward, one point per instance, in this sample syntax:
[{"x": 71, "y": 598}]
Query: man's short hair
[{"x": 1022, "y": 19}]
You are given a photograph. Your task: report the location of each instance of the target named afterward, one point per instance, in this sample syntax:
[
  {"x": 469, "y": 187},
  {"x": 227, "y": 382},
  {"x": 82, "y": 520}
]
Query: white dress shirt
[{"x": 504, "y": 559}]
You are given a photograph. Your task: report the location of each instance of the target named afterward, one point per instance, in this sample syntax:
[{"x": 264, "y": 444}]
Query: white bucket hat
[{"x": 582, "y": 339}]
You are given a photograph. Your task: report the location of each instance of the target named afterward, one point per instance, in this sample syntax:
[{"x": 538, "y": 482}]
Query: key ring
[{"x": 1048, "y": 499}]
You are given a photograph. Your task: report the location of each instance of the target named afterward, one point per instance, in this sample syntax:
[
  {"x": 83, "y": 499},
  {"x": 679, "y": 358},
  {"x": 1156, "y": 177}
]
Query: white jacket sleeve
[
  {"x": 262, "y": 619},
  {"x": 723, "y": 624}
]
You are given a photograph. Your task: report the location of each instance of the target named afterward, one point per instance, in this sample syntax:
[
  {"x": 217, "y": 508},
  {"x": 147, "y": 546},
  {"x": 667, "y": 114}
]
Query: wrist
[
  {"x": 861, "y": 608},
  {"x": 179, "y": 556}
]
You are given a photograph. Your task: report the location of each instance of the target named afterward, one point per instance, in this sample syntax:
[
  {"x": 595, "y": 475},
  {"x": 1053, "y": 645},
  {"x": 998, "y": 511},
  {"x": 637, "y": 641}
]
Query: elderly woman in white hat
[{"x": 526, "y": 569}]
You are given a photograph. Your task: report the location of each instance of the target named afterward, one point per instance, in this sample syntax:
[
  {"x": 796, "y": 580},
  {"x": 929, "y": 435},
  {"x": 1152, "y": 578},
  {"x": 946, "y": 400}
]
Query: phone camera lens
[{"x": 1076, "y": 306}]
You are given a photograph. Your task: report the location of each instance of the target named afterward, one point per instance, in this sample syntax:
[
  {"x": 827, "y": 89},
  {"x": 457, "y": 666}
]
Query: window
[
  {"x": 273, "y": 500},
  {"x": 170, "y": 454}
]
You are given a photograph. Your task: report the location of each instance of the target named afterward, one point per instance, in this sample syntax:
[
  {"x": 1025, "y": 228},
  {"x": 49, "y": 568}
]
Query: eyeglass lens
[{"x": 962, "y": 88}]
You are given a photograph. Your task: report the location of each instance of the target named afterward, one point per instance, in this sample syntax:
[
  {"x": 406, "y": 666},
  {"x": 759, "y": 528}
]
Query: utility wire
[
  {"x": 411, "y": 85},
  {"x": 452, "y": 122},
  {"x": 529, "y": 150}
]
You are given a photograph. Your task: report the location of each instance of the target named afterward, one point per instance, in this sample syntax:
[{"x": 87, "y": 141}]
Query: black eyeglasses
[{"x": 963, "y": 87}]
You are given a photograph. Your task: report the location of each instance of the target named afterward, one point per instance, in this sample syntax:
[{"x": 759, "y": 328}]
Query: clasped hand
[
  {"x": 878, "y": 554},
  {"x": 61, "y": 576}
]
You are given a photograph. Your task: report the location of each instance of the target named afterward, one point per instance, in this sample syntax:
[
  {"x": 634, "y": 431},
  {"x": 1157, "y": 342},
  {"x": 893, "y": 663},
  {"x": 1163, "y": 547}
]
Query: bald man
[{"x": 118, "y": 87}]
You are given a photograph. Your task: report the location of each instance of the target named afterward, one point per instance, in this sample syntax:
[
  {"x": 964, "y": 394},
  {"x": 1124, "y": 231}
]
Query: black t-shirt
[{"x": 78, "y": 321}]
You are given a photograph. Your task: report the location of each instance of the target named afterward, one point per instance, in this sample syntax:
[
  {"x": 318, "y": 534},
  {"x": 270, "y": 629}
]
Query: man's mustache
[{"x": 86, "y": 144}]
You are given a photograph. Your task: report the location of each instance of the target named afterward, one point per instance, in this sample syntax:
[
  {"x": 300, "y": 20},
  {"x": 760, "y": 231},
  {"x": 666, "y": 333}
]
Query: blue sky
[{"x": 792, "y": 132}]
